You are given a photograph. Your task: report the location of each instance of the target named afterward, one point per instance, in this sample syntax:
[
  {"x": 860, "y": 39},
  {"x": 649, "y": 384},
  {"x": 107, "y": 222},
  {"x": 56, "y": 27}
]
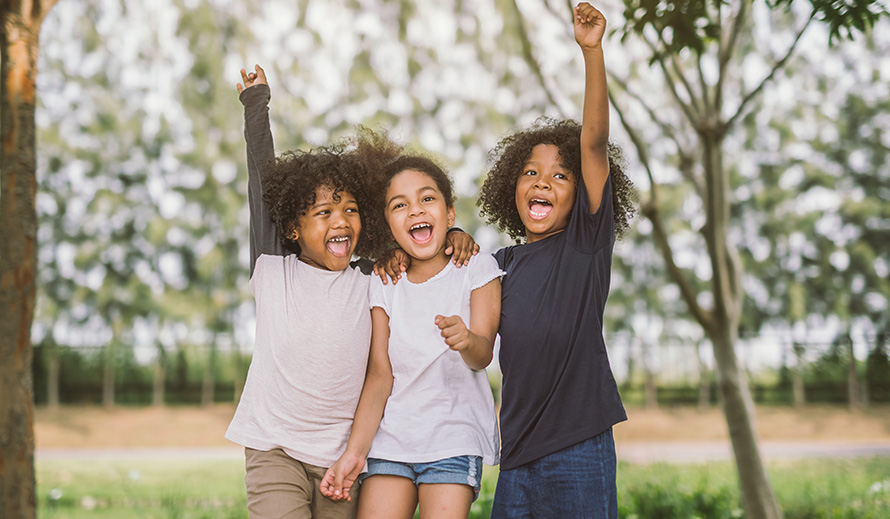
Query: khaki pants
[{"x": 280, "y": 487}]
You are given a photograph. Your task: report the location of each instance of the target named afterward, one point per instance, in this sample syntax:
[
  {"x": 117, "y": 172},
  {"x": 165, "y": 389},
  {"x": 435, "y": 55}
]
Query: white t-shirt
[
  {"x": 439, "y": 407},
  {"x": 313, "y": 334}
]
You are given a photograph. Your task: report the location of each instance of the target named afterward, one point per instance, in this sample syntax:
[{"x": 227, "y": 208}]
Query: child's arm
[
  {"x": 378, "y": 385},
  {"x": 475, "y": 344},
  {"x": 255, "y": 95},
  {"x": 590, "y": 25}
]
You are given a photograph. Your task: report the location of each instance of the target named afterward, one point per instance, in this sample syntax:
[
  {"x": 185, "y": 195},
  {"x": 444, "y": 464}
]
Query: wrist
[{"x": 593, "y": 51}]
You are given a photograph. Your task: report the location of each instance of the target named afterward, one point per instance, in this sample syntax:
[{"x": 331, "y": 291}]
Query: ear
[
  {"x": 294, "y": 233},
  {"x": 451, "y": 217}
]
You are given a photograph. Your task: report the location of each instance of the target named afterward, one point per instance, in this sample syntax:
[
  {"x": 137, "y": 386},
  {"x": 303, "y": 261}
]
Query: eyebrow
[
  {"x": 534, "y": 163},
  {"x": 343, "y": 198},
  {"x": 419, "y": 191}
]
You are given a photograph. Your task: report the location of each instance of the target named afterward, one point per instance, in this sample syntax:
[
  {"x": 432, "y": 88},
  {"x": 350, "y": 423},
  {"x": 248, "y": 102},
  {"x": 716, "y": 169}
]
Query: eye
[
  {"x": 428, "y": 199},
  {"x": 561, "y": 176},
  {"x": 398, "y": 205},
  {"x": 352, "y": 209},
  {"x": 530, "y": 172},
  {"x": 323, "y": 212}
]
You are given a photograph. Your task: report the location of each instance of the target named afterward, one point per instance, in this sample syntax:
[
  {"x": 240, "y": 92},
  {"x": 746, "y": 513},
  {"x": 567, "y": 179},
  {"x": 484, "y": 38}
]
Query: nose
[
  {"x": 415, "y": 210},
  {"x": 542, "y": 182},
  {"x": 339, "y": 220}
]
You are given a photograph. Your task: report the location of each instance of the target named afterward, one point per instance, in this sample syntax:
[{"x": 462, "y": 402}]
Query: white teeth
[
  {"x": 419, "y": 226},
  {"x": 339, "y": 238},
  {"x": 541, "y": 201}
]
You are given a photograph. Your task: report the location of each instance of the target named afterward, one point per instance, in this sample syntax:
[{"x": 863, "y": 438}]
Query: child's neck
[{"x": 423, "y": 270}]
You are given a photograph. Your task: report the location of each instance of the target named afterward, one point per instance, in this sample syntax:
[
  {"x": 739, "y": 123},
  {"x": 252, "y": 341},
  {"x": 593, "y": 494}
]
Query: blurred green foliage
[{"x": 196, "y": 489}]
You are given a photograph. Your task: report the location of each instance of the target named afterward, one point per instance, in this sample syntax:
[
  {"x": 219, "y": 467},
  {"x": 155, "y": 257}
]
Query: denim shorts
[
  {"x": 460, "y": 470},
  {"x": 578, "y": 481}
]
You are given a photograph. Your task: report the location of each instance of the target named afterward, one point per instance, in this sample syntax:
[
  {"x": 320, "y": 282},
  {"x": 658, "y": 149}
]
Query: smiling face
[
  {"x": 329, "y": 230},
  {"x": 418, "y": 215},
  {"x": 545, "y": 193}
]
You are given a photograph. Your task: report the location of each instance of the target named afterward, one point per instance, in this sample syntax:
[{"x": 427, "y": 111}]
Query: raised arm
[
  {"x": 255, "y": 96},
  {"x": 590, "y": 26},
  {"x": 378, "y": 385}
]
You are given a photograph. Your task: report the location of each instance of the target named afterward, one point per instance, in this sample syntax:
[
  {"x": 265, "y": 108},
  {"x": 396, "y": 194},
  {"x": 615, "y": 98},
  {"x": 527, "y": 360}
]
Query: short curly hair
[
  {"x": 291, "y": 180},
  {"x": 497, "y": 199}
]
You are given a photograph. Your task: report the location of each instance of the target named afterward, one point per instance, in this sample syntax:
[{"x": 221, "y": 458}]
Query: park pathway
[{"x": 631, "y": 452}]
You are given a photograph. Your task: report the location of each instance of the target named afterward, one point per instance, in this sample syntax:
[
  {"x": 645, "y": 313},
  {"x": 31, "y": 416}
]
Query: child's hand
[
  {"x": 590, "y": 25},
  {"x": 455, "y": 332},
  {"x": 254, "y": 78},
  {"x": 461, "y": 246},
  {"x": 341, "y": 476},
  {"x": 392, "y": 265}
]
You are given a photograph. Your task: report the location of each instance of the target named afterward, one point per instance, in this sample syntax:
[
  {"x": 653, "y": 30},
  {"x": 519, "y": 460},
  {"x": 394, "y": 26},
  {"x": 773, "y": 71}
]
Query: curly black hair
[
  {"x": 497, "y": 198},
  {"x": 291, "y": 180},
  {"x": 424, "y": 165}
]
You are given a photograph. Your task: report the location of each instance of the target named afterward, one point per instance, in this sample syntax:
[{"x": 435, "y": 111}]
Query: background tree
[
  {"x": 697, "y": 49},
  {"x": 20, "y": 23}
]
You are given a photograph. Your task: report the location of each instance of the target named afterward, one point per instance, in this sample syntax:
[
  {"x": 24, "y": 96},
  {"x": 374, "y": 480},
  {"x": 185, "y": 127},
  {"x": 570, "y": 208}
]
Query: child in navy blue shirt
[{"x": 561, "y": 187}]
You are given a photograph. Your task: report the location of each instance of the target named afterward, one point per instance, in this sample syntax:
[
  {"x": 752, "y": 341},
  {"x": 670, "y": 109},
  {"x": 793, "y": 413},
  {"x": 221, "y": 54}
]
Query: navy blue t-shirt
[{"x": 558, "y": 387}]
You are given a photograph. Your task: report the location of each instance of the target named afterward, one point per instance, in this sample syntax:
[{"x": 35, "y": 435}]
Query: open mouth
[
  {"x": 339, "y": 246},
  {"x": 421, "y": 232},
  {"x": 538, "y": 208}
]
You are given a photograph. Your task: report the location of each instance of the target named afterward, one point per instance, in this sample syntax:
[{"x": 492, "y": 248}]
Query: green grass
[{"x": 198, "y": 489}]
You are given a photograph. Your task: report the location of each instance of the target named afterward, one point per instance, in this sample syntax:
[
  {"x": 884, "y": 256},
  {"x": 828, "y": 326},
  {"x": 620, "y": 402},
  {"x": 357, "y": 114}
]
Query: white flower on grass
[
  {"x": 88, "y": 502},
  {"x": 55, "y": 494},
  {"x": 880, "y": 487}
]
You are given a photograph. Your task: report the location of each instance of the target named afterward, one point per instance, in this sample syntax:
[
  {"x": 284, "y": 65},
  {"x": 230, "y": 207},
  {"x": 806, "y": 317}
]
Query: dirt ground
[{"x": 95, "y": 427}]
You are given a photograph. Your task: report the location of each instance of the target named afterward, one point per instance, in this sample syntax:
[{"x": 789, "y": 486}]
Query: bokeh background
[{"x": 143, "y": 280}]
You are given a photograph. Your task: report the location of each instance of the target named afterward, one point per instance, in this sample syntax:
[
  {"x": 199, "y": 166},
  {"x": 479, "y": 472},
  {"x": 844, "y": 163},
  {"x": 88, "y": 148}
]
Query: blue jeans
[{"x": 575, "y": 482}]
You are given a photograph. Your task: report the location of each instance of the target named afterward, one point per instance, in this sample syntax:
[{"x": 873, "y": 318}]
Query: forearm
[
  {"x": 479, "y": 353},
  {"x": 595, "y": 115},
  {"x": 369, "y": 412}
]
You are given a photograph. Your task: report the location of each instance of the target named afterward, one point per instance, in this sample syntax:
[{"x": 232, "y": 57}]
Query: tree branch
[
  {"x": 659, "y": 57},
  {"x": 668, "y": 130},
  {"x": 678, "y": 70},
  {"x": 651, "y": 210},
  {"x": 529, "y": 57},
  {"x": 769, "y": 76},
  {"x": 727, "y": 46}
]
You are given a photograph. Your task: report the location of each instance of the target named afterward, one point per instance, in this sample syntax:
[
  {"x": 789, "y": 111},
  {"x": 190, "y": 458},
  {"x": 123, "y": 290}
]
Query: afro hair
[{"x": 497, "y": 200}]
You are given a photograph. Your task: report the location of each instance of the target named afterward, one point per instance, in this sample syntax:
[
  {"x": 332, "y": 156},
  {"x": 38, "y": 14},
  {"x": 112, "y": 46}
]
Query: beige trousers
[{"x": 280, "y": 487}]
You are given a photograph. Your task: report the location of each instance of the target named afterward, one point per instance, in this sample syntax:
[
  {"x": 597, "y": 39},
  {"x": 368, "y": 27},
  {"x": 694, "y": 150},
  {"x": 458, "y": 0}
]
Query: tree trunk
[
  {"x": 108, "y": 375},
  {"x": 726, "y": 283},
  {"x": 157, "y": 393},
  {"x": 650, "y": 388},
  {"x": 852, "y": 376},
  {"x": 760, "y": 502},
  {"x": 704, "y": 381},
  {"x": 19, "y": 40},
  {"x": 800, "y": 398},
  {"x": 207, "y": 387},
  {"x": 52, "y": 383}
]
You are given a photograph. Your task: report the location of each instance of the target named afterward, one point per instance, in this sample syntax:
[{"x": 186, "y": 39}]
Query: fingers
[
  {"x": 394, "y": 269},
  {"x": 253, "y": 78},
  {"x": 584, "y": 12},
  {"x": 260, "y": 74},
  {"x": 327, "y": 484}
]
